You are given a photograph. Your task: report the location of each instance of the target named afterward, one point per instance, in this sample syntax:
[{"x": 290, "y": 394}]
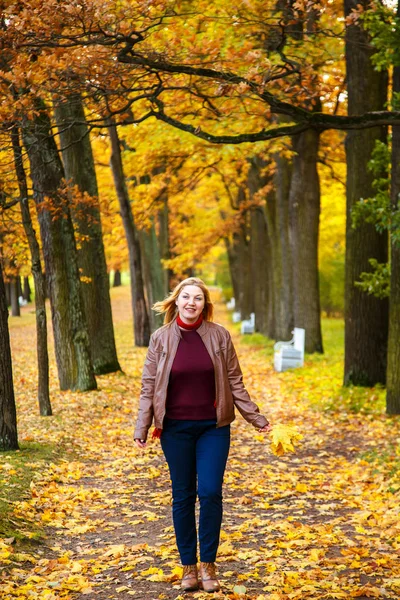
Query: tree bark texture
[
  {"x": 260, "y": 250},
  {"x": 80, "y": 170},
  {"x": 304, "y": 210},
  {"x": 260, "y": 269},
  {"x": 27, "y": 290},
  {"x": 282, "y": 263},
  {"x": 233, "y": 268},
  {"x": 277, "y": 253},
  {"x": 15, "y": 308},
  {"x": 38, "y": 279},
  {"x": 8, "y": 293},
  {"x": 117, "y": 278},
  {"x": 8, "y": 413},
  {"x": 163, "y": 242},
  {"x": 366, "y": 317},
  {"x": 72, "y": 347},
  {"x": 240, "y": 267},
  {"x": 153, "y": 273},
  {"x": 141, "y": 321},
  {"x": 393, "y": 355}
]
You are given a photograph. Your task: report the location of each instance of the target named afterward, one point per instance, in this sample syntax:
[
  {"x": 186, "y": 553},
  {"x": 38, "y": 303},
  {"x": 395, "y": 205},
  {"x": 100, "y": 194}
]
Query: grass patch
[
  {"x": 385, "y": 462},
  {"x": 26, "y": 319},
  {"x": 17, "y": 469},
  {"x": 320, "y": 381}
]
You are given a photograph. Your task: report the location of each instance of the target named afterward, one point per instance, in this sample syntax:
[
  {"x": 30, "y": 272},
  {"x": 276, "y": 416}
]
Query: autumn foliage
[{"x": 321, "y": 522}]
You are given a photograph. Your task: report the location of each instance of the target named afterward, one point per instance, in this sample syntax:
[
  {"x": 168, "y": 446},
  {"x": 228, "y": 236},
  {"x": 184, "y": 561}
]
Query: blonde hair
[{"x": 168, "y": 306}]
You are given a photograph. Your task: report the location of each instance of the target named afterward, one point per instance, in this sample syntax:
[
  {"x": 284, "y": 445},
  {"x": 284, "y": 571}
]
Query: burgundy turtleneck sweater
[{"x": 191, "y": 387}]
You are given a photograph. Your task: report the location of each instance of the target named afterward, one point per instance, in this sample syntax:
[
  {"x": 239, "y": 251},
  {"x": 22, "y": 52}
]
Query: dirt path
[{"x": 316, "y": 524}]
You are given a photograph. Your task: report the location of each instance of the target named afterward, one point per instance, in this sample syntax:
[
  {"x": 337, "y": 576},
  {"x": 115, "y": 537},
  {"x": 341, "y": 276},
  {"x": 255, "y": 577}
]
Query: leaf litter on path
[{"x": 319, "y": 522}]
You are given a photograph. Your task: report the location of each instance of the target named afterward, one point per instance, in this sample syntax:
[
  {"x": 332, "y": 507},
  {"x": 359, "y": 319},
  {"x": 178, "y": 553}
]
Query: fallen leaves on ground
[{"x": 322, "y": 522}]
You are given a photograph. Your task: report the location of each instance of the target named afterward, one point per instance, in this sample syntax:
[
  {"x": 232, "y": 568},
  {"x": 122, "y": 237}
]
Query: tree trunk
[
  {"x": 277, "y": 258},
  {"x": 117, "y": 278},
  {"x": 153, "y": 273},
  {"x": 27, "y": 289},
  {"x": 260, "y": 249},
  {"x": 366, "y": 317},
  {"x": 260, "y": 268},
  {"x": 8, "y": 413},
  {"x": 393, "y": 355},
  {"x": 80, "y": 171},
  {"x": 71, "y": 337},
  {"x": 141, "y": 322},
  {"x": 7, "y": 287},
  {"x": 304, "y": 227},
  {"x": 163, "y": 242},
  {"x": 240, "y": 267},
  {"x": 19, "y": 286},
  {"x": 40, "y": 306},
  {"x": 233, "y": 267},
  {"x": 283, "y": 262},
  {"x": 15, "y": 308}
]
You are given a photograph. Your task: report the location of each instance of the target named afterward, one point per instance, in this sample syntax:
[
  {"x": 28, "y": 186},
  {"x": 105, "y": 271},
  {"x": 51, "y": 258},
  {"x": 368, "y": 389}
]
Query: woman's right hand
[{"x": 140, "y": 443}]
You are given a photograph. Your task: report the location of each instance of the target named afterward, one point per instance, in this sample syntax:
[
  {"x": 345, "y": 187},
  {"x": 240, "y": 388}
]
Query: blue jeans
[{"x": 196, "y": 450}]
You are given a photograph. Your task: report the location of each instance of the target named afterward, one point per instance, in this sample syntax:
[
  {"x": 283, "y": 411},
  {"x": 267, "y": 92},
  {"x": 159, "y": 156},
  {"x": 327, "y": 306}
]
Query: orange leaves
[{"x": 316, "y": 524}]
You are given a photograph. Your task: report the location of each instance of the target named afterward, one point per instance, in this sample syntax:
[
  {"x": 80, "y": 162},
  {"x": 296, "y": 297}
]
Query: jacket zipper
[
  {"x": 169, "y": 371},
  {"x": 211, "y": 353}
]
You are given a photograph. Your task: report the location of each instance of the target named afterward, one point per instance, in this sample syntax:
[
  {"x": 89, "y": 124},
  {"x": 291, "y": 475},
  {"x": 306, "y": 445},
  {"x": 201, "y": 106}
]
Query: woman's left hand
[{"x": 266, "y": 429}]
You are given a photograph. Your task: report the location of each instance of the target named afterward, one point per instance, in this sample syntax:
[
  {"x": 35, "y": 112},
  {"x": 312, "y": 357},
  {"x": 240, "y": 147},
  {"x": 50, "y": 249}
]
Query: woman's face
[{"x": 190, "y": 303}]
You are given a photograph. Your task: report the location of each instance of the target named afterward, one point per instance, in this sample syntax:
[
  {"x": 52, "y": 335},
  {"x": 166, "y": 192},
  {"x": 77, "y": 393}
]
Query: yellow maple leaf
[
  {"x": 116, "y": 551},
  {"x": 283, "y": 439},
  {"x": 158, "y": 575},
  {"x": 301, "y": 487},
  {"x": 150, "y": 571}
]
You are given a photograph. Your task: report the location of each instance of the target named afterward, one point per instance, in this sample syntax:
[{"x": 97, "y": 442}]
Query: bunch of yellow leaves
[{"x": 284, "y": 439}]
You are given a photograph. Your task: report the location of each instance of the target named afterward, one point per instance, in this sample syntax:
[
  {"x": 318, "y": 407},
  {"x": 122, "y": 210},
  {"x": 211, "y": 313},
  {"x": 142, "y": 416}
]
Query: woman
[{"x": 190, "y": 385}]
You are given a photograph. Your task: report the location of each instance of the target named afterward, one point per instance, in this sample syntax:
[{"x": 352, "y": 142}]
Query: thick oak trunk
[
  {"x": 141, "y": 321},
  {"x": 304, "y": 228},
  {"x": 366, "y": 317},
  {"x": 8, "y": 413},
  {"x": 40, "y": 307},
  {"x": 260, "y": 269},
  {"x": 72, "y": 347},
  {"x": 260, "y": 250},
  {"x": 393, "y": 355},
  {"x": 80, "y": 171},
  {"x": 282, "y": 262}
]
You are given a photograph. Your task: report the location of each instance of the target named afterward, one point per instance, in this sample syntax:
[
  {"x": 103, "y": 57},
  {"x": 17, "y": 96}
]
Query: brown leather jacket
[{"x": 230, "y": 390}]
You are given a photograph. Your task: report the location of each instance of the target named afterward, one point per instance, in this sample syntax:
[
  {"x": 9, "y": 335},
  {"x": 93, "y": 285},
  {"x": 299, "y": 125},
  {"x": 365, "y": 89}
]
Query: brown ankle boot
[
  {"x": 209, "y": 577},
  {"x": 190, "y": 581}
]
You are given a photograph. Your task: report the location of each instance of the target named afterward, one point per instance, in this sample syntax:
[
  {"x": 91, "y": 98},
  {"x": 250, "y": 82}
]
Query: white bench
[
  {"x": 236, "y": 317},
  {"x": 248, "y": 325},
  {"x": 231, "y": 304},
  {"x": 289, "y": 355}
]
